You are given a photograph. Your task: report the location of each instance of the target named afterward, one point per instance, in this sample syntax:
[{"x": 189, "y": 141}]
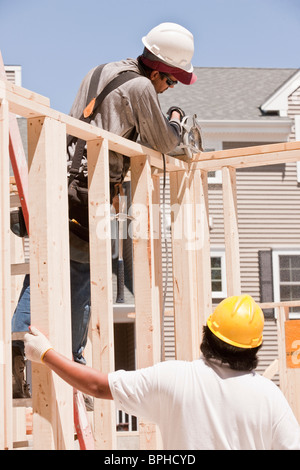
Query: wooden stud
[
  {"x": 101, "y": 286},
  {"x": 202, "y": 245},
  {"x": 53, "y": 423},
  {"x": 6, "y": 413},
  {"x": 146, "y": 288},
  {"x": 232, "y": 253},
  {"x": 186, "y": 313},
  {"x": 17, "y": 255},
  {"x": 17, "y": 156}
]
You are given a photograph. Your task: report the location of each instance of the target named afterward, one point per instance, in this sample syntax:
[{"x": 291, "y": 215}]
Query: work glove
[
  {"x": 36, "y": 345},
  {"x": 175, "y": 108}
]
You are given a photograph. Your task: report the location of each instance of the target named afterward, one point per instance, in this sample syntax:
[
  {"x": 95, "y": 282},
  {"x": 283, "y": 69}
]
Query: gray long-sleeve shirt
[{"x": 132, "y": 111}]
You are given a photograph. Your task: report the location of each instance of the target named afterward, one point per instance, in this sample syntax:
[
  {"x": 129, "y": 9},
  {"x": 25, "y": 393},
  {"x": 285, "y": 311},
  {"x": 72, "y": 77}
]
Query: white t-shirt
[{"x": 203, "y": 405}]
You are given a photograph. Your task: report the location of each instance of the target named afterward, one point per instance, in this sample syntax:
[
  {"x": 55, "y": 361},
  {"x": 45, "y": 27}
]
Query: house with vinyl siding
[{"x": 235, "y": 107}]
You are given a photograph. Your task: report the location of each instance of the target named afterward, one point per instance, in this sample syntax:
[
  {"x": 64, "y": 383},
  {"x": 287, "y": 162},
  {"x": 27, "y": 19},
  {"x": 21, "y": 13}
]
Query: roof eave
[
  {"x": 278, "y": 101},
  {"x": 269, "y": 129}
]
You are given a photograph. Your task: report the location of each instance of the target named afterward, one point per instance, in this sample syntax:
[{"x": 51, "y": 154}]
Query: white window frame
[
  {"x": 220, "y": 253},
  {"x": 276, "y": 279}
]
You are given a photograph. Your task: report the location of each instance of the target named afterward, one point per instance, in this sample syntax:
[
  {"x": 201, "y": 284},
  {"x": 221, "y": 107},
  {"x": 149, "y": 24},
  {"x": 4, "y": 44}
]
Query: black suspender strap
[
  {"x": 94, "y": 82},
  {"x": 93, "y": 105},
  {"x": 115, "y": 83}
]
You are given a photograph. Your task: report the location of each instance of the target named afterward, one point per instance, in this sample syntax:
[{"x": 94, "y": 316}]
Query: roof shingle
[{"x": 227, "y": 93}]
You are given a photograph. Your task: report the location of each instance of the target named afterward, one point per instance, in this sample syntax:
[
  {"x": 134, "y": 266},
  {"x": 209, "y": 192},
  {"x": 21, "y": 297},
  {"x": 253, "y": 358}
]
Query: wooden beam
[
  {"x": 101, "y": 286},
  {"x": 146, "y": 288},
  {"x": 253, "y": 150},
  {"x": 17, "y": 155},
  {"x": 289, "y": 304},
  {"x": 234, "y": 160},
  {"x": 29, "y": 105},
  {"x": 232, "y": 253},
  {"x": 6, "y": 412},
  {"x": 53, "y": 423},
  {"x": 23, "y": 92}
]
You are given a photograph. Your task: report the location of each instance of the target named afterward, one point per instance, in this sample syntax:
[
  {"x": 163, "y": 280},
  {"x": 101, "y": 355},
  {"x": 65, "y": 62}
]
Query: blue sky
[{"x": 57, "y": 41}]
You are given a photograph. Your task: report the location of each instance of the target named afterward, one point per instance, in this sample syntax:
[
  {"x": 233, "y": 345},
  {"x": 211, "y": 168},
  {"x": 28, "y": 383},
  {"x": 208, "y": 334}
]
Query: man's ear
[{"x": 154, "y": 75}]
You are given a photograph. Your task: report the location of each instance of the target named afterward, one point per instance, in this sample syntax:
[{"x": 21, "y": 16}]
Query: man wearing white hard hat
[
  {"x": 131, "y": 110},
  {"x": 169, "y": 48}
]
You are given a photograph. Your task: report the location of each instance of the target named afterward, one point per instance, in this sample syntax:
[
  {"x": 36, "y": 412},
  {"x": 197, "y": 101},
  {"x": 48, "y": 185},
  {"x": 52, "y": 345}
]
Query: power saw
[{"x": 191, "y": 139}]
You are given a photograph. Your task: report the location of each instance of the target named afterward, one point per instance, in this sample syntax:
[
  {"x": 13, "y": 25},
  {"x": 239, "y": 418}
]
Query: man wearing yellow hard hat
[{"x": 216, "y": 402}]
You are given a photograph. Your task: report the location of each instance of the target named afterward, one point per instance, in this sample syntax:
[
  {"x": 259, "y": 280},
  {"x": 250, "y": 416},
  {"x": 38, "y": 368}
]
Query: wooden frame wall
[{"x": 52, "y": 399}]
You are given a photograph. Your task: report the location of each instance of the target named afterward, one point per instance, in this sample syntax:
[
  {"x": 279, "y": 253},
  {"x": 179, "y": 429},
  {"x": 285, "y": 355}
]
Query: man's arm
[
  {"x": 83, "y": 378},
  {"x": 154, "y": 129}
]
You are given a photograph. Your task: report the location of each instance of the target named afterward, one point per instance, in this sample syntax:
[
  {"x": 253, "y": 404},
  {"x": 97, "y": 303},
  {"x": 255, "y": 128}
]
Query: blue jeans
[{"x": 80, "y": 309}]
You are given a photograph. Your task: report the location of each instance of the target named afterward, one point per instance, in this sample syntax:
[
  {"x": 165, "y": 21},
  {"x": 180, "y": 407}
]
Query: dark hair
[
  {"x": 144, "y": 68},
  {"x": 238, "y": 358}
]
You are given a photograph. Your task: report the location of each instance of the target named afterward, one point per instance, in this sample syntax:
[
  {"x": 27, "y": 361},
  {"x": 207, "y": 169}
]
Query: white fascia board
[
  {"x": 122, "y": 313},
  {"x": 268, "y": 129},
  {"x": 279, "y": 100}
]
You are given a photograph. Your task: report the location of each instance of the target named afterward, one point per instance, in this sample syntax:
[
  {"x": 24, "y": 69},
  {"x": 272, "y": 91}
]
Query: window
[
  {"x": 214, "y": 177},
  {"x": 218, "y": 274},
  {"x": 286, "y": 267}
]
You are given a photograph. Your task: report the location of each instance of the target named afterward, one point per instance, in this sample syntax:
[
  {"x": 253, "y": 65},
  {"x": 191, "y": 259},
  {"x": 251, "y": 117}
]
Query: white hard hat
[{"x": 171, "y": 43}]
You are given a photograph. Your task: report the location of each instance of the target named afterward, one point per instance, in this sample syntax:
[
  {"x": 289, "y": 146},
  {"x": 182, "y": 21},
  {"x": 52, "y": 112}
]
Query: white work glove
[{"x": 36, "y": 345}]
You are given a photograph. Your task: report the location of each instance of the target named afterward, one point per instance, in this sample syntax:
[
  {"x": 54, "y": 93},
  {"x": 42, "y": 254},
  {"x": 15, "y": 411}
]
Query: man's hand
[
  {"x": 83, "y": 378},
  {"x": 36, "y": 345},
  {"x": 178, "y": 112}
]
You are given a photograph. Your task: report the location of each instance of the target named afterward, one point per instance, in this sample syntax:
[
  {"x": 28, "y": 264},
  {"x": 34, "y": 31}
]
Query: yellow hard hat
[{"x": 239, "y": 321}]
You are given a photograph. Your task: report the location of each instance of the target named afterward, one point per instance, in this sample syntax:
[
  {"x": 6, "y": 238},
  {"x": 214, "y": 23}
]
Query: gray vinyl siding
[
  {"x": 167, "y": 278},
  {"x": 269, "y": 216}
]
